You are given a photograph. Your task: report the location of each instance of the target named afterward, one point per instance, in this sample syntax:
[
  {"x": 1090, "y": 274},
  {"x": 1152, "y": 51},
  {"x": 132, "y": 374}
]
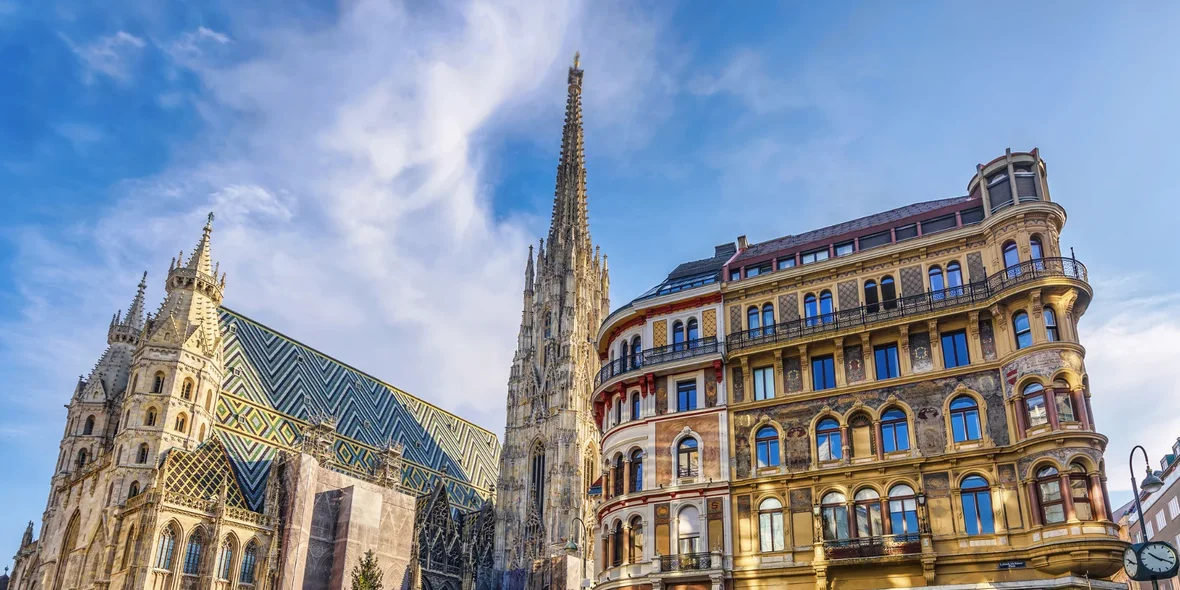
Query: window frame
[
  {"x": 832, "y": 506},
  {"x": 770, "y": 517},
  {"x": 766, "y": 444},
  {"x": 895, "y": 430},
  {"x": 906, "y": 502},
  {"x": 688, "y": 450},
  {"x": 1023, "y": 336},
  {"x": 1034, "y": 393},
  {"x": 1052, "y": 330},
  {"x": 967, "y": 416},
  {"x": 1049, "y": 477},
  {"x": 892, "y": 363},
  {"x": 827, "y": 434},
  {"x": 827, "y": 365},
  {"x": 686, "y": 391},
  {"x": 978, "y": 525},
  {"x": 760, "y": 377},
  {"x": 957, "y": 340}
]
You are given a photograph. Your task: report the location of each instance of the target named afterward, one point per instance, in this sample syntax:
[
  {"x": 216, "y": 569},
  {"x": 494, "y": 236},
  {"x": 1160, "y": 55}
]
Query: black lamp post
[
  {"x": 572, "y": 547},
  {"x": 1151, "y": 485}
]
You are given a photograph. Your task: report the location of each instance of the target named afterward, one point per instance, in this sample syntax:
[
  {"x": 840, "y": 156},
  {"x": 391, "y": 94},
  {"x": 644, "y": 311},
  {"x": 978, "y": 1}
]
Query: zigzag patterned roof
[{"x": 274, "y": 385}]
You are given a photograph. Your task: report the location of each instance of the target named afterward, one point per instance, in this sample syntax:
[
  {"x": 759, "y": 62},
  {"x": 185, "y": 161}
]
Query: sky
[{"x": 378, "y": 169}]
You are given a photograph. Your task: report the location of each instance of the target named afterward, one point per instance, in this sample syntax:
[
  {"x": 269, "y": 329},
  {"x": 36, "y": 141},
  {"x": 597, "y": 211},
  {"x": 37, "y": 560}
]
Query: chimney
[
  {"x": 727, "y": 250},
  {"x": 742, "y": 243}
]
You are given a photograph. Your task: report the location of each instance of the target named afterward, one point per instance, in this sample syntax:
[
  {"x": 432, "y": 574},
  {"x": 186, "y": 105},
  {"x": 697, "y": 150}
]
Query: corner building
[{"x": 909, "y": 405}]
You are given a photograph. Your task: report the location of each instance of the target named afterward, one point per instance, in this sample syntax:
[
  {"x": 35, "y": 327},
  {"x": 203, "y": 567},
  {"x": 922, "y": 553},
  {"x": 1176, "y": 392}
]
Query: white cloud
[
  {"x": 109, "y": 55},
  {"x": 191, "y": 45},
  {"x": 746, "y": 78}
]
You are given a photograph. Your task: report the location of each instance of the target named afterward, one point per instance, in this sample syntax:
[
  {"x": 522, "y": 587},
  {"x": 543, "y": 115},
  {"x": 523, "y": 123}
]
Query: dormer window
[
  {"x": 814, "y": 256},
  {"x": 845, "y": 248}
]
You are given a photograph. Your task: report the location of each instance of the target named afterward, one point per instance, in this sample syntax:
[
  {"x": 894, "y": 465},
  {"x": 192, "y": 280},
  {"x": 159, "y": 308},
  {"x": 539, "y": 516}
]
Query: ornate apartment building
[{"x": 900, "y": 400}]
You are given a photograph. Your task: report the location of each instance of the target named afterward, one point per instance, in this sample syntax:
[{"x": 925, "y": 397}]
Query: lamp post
[
  {"x": 572, "y": 547},
  {"x": 1151, "y": 485}
]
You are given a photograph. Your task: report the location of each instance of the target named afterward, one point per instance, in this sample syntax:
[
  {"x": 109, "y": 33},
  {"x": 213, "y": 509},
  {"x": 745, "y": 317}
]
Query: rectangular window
[
  {"x": 971, "y": 215},
  {"x": 686, "y": 396},
  {"x": 1174, "y": 509},
  {"x": 874, "y": 240},
  {"x": 764, "y": 383},
  {"x": 885, "y": 358},
  {"x": 761, "y": 269},
  {"x": 814, "y": 256},
  {"x": 845, "y": 249},
  {"x": 787, "y": 262},
  {"x": 1150, "y": 530},
  {"x": 735, "y": 275},
  {"x": 906, "y": 232},
  {"x": 1160, "y": 520},
  {"x": 938, "y": 224},
  {"x": 823, "y": 372},
  {"x": 954, "y": 349}
]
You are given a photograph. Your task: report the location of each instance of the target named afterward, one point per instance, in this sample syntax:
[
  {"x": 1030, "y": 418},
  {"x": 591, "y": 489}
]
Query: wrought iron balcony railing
[
  {"x": 654, "y": 356},
  {"x": 881, "y": 546},
  {"x": 685, "y": 562},
  {"x": 921, "y": 303}
]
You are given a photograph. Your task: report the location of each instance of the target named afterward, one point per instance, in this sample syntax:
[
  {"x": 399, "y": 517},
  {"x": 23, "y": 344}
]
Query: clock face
[
  {"x": 1158, "y": 557},
  {"x": 1131, "y": 562}
]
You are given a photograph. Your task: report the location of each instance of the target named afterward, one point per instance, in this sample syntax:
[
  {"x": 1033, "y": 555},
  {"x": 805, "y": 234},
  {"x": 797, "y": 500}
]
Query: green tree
[{"x": 366, "y": 575}]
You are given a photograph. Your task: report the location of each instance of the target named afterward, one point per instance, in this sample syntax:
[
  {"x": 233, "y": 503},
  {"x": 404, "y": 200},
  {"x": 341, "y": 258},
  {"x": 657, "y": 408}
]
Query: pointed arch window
[
  {"x": 194, "y": 553},
  {"x": 766, "y": 443},
  {"x": 828, "y": 444},
  {"x": 134, "y": 382},
  {"x": 133, "y": 491},
  {"x": 158, "y": 382},
  {"x": 1023, "y": 330},
  {"x": 208, "y": 400},
  {"x": 636, "y": 470},
  {"x": 164, "y": 552},
  {"x": 181, "y": 422},
  {"x": 83, "y": 457},
  {"x": 537, "y": 480},
  {"x": 834, "y": 512},
  {"x": 770, "y": 526},
  {"x": 150, "y": 418},
  {"x": 248, "y": 556},
  {"x": 1052, "y": 334},
  {"x": 686, "y": 457},
  {"x": 548, "y": 324},
  {"x": 976, "y": 496},
  {"x": 141, "y": 456},
  {"x": 88, "y": 428},
  {"x": 227, "y": 559},
  {"x": 127, "y": 547},
  {"x": 186, "y": 390}
]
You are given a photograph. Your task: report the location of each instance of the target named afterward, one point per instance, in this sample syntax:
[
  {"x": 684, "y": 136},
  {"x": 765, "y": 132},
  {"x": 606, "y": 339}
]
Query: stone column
[
  {"x": 868, "y": 358},
  {"x": 780, "y": 378},
  {"x": 845, "y": 446},
  {"x": 935, "y": 345},
  {"x": 838, "y": 360},
  {"x": 1019, "y": 414},
  {"x": 1078, "y": 399},
  {"x": 627, "y": 476},
  {"x": 880, "y": 441},
  {"x": 804, "y": 367},
  {"x": 974, "y": 344},
  {"x": 1067, "y": 497},
  {"x": 1034, "y": 504},
  {"x": 1051, "y": 408},
  {"x": 903, "y": 358},
  {"x": 627, "y": 557}
]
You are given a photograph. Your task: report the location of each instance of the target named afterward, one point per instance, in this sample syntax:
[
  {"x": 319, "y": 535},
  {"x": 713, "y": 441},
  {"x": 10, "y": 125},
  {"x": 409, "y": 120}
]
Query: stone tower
[{"x": 550, "y": 433}]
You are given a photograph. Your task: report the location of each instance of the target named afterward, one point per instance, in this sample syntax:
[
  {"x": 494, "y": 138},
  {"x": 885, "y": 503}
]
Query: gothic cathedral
[{"x": 550, "y": 441}]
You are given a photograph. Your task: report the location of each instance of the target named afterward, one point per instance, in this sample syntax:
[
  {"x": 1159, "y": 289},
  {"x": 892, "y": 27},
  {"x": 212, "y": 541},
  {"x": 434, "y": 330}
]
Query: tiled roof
[
  {"x": 831, "y": 231},
  {"x": 688, "y": 273}
]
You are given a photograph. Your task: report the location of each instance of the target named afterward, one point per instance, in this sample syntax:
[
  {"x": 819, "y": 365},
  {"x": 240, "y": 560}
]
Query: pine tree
[{"x": 366, "y": 575}]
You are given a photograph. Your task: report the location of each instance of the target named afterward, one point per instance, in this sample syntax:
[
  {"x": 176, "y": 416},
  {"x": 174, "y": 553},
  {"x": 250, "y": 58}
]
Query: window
[
  {"x": 548, "y": 324},
  {"x": 834, "y": 512},
  {"x": 167, "y": 544},
  {"x": 686, "y": 457},
  {"x": 1026, "y": 183},
  {"x": 1034, "y": 404},
  {"x": 787, "y": 262},
  {"x": 692, "y": 332},
  {"x": 753, "y": 321},
  {"x": 977, "y": 506},
  {"x": 895, "y": 431},
  {"x": 636, "y": 470},
  {"x": 999, "y": 191},
  {"x": 133, "y": 491},
  {"x": 888, "y": 293},
  {"x": 1173, "y": 508},
  {"x": 954, "y": 279},
  {"x": 827, "y": 440},
  {"x": 965, "y": 419},
  {"x": 954, "y": 349},
  {"x": 83, "y": 455},
  {"x": 970, "y": 216},
  {"x": 158, "y": 382},
  {"x": 186, "y": 390},
  {"x": 134, "y": 382},
  {"x": 766, "y": 444},
  {"x": 936, "y": 283},
  {"x": 768, "y": 319},
  {"x": 636, "y": 352},
  {"x": 192, "y": 556},
  {"x": 1049, "y": 494},
  {"x": 678, "y": 335},
  {"x": 1012, "y": 259},
  {"x": 1051, "y": 332},
  {"x": 763, "y": 383},
  {"x": 903, "y": 510},
  {"x": 89, "y": 427},
  {"x": 150, "y": 418},
  {"x": 871, "y": 296},
  {"x": 1023, "y": 330},
  {"x": 811, "y": 309},
  {"x": 1160, "y": 521},
  {"x": 814, "y": 256},
  {"x": 938, "y": 224},
  {"x": 1150, "y": 529},
  {"x": 686, "y": 396},
  {"x": 1035, "y": 252},
  {"x": 760, "y": 269},
  {"x": 885, "y": 360},
  {"x": 844, "y": 249},
  {"x": 867, "y": 505},
  {"x": 141, "y": 456},
  {"x": 247, "y": 574},
  {"x": 634, "y": 406},
  {"x": 874, "y": 240},
  {"x": 688, "y": 527},
  {"x": 770, "y": 525},
  {"x": 636, "y": 540},
  {"x": 227, "y": 558},
  {"x": 906, "y": 232},
  {"x": 735, "y": 275},
  {"x": 537, "y": 479},
  {"x": 127, "y": 547},
  {"x": 181, "y": 422},
  {"x": 825, "y": 307},
  {"x": 823, "y": 372},
  {"x": 617, "y": 544}
]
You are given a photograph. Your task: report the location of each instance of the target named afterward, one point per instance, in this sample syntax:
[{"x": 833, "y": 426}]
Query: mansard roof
[{"x": 689, "y": 275}]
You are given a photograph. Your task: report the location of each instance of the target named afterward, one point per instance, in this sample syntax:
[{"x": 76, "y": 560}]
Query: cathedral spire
[
  {"x": 202, "y": 258},
  {"x": 126, "y": 328},
  {"x": 570, "y": 219},
  {"x": 529, "y": 273}
]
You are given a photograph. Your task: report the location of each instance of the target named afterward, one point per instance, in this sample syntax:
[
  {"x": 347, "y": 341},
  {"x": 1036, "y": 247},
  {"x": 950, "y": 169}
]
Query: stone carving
[
  {"x": 793, "y": 374},
  {"x": 738, "y": 385},
  {"x": 800, "y": 500},
  {"x": 920, "y": 359},
  {"x": 854, "y": 369},
  {"x": 1042, "y": 364},
  {"x": 987, "y": 340},
  {"x": 936, "y": 484}
]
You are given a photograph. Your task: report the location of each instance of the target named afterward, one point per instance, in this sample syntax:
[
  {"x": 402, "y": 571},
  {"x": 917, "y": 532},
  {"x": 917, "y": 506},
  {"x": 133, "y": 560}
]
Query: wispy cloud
[{"x": 109, "y": 55}]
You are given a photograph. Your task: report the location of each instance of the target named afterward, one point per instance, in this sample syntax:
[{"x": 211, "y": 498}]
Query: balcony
[
  {"x": 867, "y": 547},
  {"x": 659, "y": 355},
  {"x": 914, "y": 305},
  {"x": 686, "y": 562}
]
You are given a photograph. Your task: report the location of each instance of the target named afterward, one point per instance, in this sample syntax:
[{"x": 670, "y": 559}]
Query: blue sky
[{"x": 378, "y": 169}]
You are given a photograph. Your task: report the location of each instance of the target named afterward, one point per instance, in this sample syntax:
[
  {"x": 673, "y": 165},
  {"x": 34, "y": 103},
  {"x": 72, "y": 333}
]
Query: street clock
[{"x": 1154, "y": 560}]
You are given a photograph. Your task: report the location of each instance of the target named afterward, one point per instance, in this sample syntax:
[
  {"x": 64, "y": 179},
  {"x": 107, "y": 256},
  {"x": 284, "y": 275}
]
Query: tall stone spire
[
  {"x": 570, "y": 227},
  {"x": 189, "y": 312},
  {"x": 202, "y": 258},
  {"x": 126, "y": 328}
]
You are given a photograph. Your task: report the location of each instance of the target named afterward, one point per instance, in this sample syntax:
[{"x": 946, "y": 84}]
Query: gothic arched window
[
  {"x": 196, "y": 549},
  {"x": 141, "y": 456},
  {"x": 167, "y": 544},
  {"x": 537, "y": 479},
  {"x": 158, "y": 382},
  {"x": 186, "y": 390},
  {"x": 83, "y": 455},
  {"x": 89, "y": 427},
  {"x": 150, "y": 418},
  {"x": 248, "y": 557},
  {"x": 227, "y": 559},
  {"x": 134, "y": 490}
]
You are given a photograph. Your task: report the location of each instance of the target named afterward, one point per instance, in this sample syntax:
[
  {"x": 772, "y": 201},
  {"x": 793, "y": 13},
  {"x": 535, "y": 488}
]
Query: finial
[
  {"x": 209, "y": 223},
  {"x": 577, "y": 57}
]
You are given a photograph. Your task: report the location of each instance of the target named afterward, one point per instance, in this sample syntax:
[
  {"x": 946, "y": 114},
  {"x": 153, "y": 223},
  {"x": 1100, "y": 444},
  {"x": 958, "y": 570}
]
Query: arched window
[
  {"x": 976, "y": 497},
  {"x": 227, "y": 560},
  {"x": 548, "y": 324},
  {"x": 827, "y": 440},
  {"x": 1012, "y": 259},
  {"x": 692, "y": 332},
  {"x": 636, "y": 540},
  {"x": 134, "y": 382},
  {"x": 1064, "y": 399},
  {"x": 954, "y": 279},
  {"x": 688, "y": 526},
  {"x": 825, "y": 307},
  {"x": 768, "y": 319},
  {"x": 624, "y": 355},
  {"x": 1023, "y": 330},
  {"x": 635, "y": 410},
  {"x": 208, "y": 399},
  {"x": 150, "y": 418},
  {"x": 965, "y": 419},
  {"x": 1035, "y": 252},
  {"x": 1034, "y": 404},
  {"x": 537, "y": 479},
  {"x": 164, "y": 553},
  {"x": 616, "y": 558},
  {"x": 867, "y": 503},
  {"x": 133, "y": 491},
  {"x": 1049, "y": 495},
  {"x": 186, "y": 390},
  {"x": 1079, "y": 490},
  {"x": 618, "y": 411},
  {"x": 158, "y": 382},
  {"x": 903, "y": 510},
  {"x": 127, "y": 547},
  {"x": 871, "y": 296},
  {"x": 766, "y": 442},
  {"x": 636, "y": 352},
  {"x": 141, "y": 456},
  {"x": 201, "y": 438},
  {"x": 678, "y": 335},
  {"x": 686, "y": 457},
  {"x": 834, "y": 510},
  {"x": 811, "y": 309},
  {"x": 770, "y": 526},
  {"x": 895, "y": 431},
  {"x": 888, "y": 293},
  {"x": 83, "y": 456},
  {"x": 194, "y": 553},
  {"x": 753, "y": 321},
  {"x": 936, "y": 283},
  {"x": 88, "y": 428},
  {"x": 1051, "y": 331},
  {"x": 248, "y": 556},
  {"x": 636, "y": 470},
  {"x": 181, "y": 422},
  {"x": 617, "y": 474}
]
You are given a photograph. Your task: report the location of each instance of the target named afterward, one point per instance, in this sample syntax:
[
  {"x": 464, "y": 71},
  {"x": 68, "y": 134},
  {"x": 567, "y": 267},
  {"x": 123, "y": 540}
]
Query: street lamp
[
  {"x": 1151, "y": 485},
  {"x": 572, "y": 547}
]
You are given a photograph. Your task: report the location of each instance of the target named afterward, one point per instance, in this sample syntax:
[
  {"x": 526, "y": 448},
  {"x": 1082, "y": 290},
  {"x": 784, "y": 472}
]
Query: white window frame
[
  {"x": 1161, "y": 520},
  {"x": 1173, "y": 508},
  {"x": 766, "y": 393}
]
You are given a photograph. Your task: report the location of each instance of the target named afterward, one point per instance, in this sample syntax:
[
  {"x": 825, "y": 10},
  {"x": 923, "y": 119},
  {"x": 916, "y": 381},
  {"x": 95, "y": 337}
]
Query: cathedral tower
[{"x": 550, "y": 438}]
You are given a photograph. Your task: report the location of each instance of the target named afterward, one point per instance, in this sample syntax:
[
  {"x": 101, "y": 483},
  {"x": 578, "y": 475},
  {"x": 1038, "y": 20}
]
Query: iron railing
[
  {"x": 921, "y": 303},
  {"x": 686, "y": 562},
  {"x": 881, "y": 546},
  {"x": 657, "y": 355}
]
